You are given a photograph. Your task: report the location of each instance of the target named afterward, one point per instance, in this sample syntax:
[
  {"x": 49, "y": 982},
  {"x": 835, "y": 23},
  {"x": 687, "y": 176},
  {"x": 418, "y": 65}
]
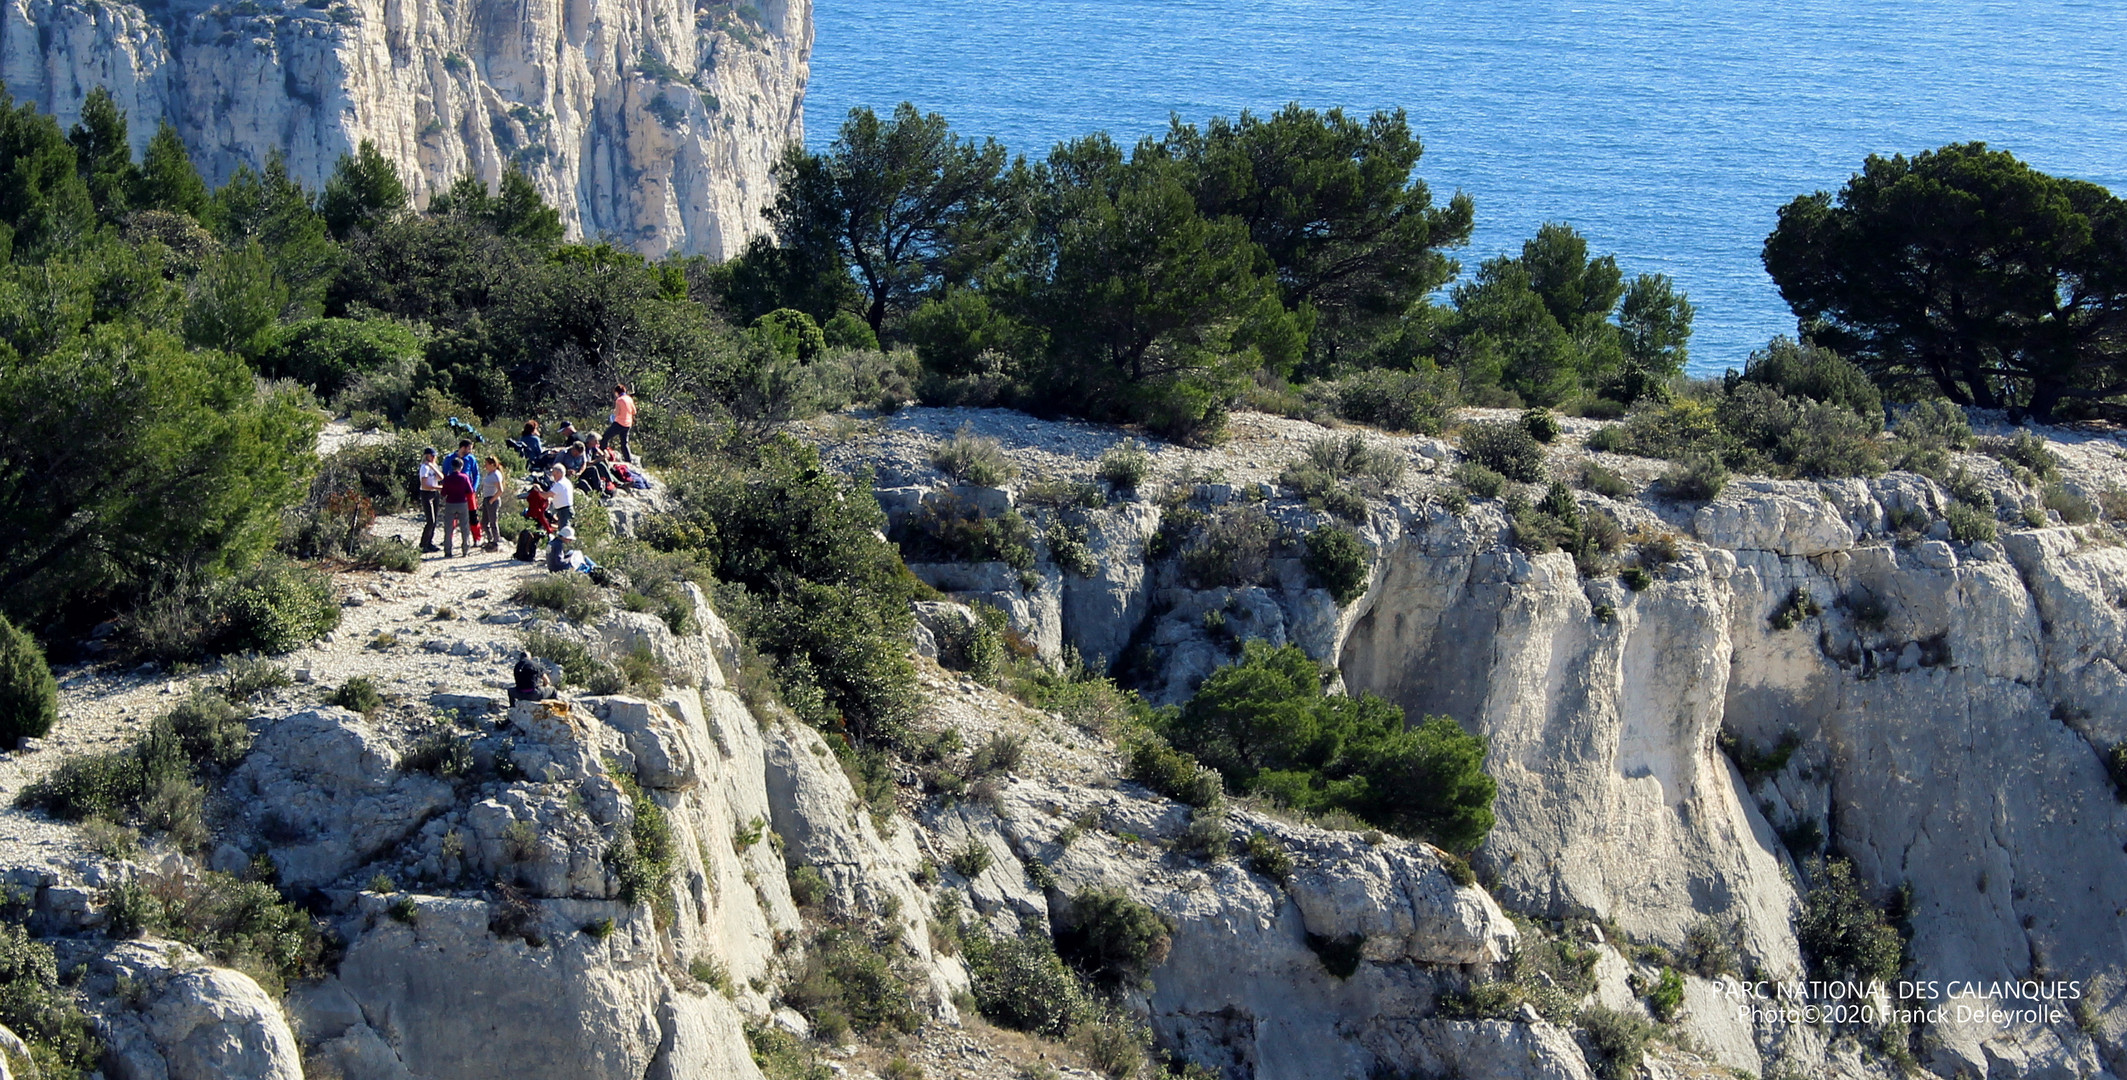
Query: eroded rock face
[
  {"x": 644, "y": 120},
  {"x": 178, "y": 1018}
]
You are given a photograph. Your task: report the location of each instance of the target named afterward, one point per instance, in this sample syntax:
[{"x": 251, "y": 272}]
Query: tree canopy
[{"x": 1965, "y": 272}]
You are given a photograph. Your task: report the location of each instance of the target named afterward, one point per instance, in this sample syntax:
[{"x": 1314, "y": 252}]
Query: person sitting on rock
[
  {"x": 562, "y": 554},
  {"x": 532, "y": 683},
  {"x": 595, "y": 468},
  {"x": 529, "y": 445}
]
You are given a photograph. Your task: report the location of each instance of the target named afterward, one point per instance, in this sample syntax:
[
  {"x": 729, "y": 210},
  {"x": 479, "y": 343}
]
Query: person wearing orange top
[{"x": 622, "y": 423}]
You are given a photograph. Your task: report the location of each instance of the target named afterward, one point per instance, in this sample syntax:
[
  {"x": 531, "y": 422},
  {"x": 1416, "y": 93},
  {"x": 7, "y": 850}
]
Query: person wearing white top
[
  {"x": 564, "y": 496},
  {"x": 431, "y": 477}
]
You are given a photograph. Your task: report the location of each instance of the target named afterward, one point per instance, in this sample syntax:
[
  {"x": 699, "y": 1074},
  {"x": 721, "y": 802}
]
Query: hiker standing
[
  {"x": 457, "y": 511},
  {"x": 431, "y": 478},
  {"x": 489, "y": 492},
  {"x": 561, "y": 496},
  {"x": 623, "y": 422}
]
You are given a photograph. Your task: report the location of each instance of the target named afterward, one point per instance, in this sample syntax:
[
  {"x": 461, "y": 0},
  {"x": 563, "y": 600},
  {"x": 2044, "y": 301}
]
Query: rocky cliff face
[
  {"x": 654, "y": 122},
  {"x": 1949, "y": 705}
]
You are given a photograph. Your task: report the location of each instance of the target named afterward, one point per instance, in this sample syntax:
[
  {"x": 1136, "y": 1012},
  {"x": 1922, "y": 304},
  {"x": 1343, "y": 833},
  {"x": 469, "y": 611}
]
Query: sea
[{"x": 1669, "y": 132}]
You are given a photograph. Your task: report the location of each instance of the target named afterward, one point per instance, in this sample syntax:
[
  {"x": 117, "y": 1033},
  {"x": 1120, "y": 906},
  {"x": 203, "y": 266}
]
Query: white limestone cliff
[{"x": 652, "y": 122}]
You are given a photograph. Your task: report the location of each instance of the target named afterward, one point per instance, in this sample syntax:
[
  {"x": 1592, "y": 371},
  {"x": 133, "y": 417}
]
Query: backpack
[{"x": 527, "y": 543}]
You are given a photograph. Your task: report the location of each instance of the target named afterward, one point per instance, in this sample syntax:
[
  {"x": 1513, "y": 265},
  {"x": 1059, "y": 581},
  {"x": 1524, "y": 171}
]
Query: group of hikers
[{"x": 464, "y": 492}]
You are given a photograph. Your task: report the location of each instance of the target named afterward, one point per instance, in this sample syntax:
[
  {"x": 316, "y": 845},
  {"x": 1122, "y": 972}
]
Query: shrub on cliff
[
  {"x": 1842, "y": 934},
  {"x": 1505, "y": 448},
  {"x": 29, "y": 695},
  {"x": 1114, "y": 940},
  {"x": 1337, "y": 561},
  {"x": 1266, "y": 725}
]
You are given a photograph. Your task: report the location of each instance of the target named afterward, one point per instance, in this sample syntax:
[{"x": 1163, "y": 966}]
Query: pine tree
[
  {"x": 365, "y": 191},
  {"x": 104, "y": 152},
  {"x": 167, "y": 179},
  {"x": 29, "y": 696}
]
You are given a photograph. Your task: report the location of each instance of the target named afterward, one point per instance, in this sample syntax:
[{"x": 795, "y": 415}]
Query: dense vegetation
[
  {"x": 1165, "y": 283},
  {"x": 1265, "y": 726}
]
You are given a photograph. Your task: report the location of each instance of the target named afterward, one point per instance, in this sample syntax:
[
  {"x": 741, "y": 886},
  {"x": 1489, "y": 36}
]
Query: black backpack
[{"x": 527, "y": 544}]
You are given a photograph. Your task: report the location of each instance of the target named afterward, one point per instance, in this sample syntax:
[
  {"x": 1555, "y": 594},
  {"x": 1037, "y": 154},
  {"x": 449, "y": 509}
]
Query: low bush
[
  {"x": 1338, "y": 562},
  {"x": 247, "y": 676},
  {"x": 969, "y": 860},
  {"x": 1480, "y": 481},
  {"x": 1699, "y": 478},
  {"x": 35, "y": 1006},
  {"x": 1505, "y": 448},
  {"x": 241, "y": 924},
  {"x": 1666, "y": 999},
  {"x": 1068, "y": 547},
  {"x": 152, "y": 782},
  {"x": 808, "y": 887},
  {"x": 1231, "y": 549},
  {"x": 953, "y": 530},
  {"x": 1925, "y": 434},
  {"x": 849, "y": 974},
  {"x": 1541, "y": 424},
  {"x": 573, "y": 596},
  {"x": 973, "y": 459},
  {"x": 2073, "y": 508},
  {"x": 1798, "y": 606},
  {"x": 1020, "y": 982},
  {"x": 1173, "y": 773},
  {"x": 1113, "y": 940},
  {"x": 1606, "y": 483},
  {"x": 2026, "y": 451},
  {"x": 276, "y": 607},
  {"x": 29, "y": 694},
  {"x": 1619, "y": 1040},
  {"x": 643, "y": 857},
  {"x": 1267, "y": 728},
  {"x": 439, "y": 752},
  {"x": 1711, "y": 949},
  {"x": 1970, "y": 524},
  {"x": 1125, "y": 465},
  {"x": 1268, "y": 857},
  {"x": 1414, "y": 401},
  {"x": 1842, "y": 934},
  {"x": 358, "y": 694}
]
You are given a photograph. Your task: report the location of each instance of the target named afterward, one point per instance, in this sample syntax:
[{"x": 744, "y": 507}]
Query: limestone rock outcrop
[{"x": 653, "y": 122}]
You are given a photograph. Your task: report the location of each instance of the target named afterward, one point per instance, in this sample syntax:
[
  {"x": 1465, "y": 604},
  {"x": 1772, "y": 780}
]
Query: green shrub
[
  {"x": 645, "y": 856},
  {"x": 150, "y": 782},
  {"x": 1842, "y": 934},
  {"x": 1798, "y": 606},
  {"x": 969, "y": 860},
  {"x": 209, "y": 731},
  {"x": 1173, "y": 773},
  {"x": 1505, "y": 448},
  {"x": 1698, "y": 478},
  {"x": 1116, "y": 1045},
  {"x": 949, "y": 529},
  {"x": 1021, "y": 983},
  {"x": 1231, "y": 549},
  {"x": 1818, "y": 374},
  {"x": 1679, "y": 429},
  {"x": 808, "y": 887},
  {"x": 1710, "y": 948},
  {"x": 1666, "y": 1000},
  {"x": 1970, "y": 524},
  {"x": 1414, "y": 401},
  {"x": 574, "y": 596},
  {"x": 1062, "y": 494},
  {"x": 1266, "y": 726},
  {"x": 1541, "y": 424},
  {"x": 29, "y": 695},
  {"x": 973, "y": 459},
  {"x": 1609, "y": 439},
  {"x": 35, "y": 1006},
  {"x": 358, "y": 694},
  {"x": 1480, "y": 481},
  {"x": 249, "y": 675},
  {"x": 1354, "y": 460},
  {"x": 2027, "y": 451},
  {"x": 1068, "y": 547},
  {"x": 1268, "y": 857},
  {"x": 1125, "y": 465},
  {"x": 2073, "y": 508},
  {"x": 1926, "y": 434},
  {"x": 241, "y": 924},
  {"x": 790, "y": 333},
  {"x": 1113, "y": 940},
  {"x": 1619, "y": 1040},
  {"x": 578, "y": 666},
  {"x": 1636, "y": 578},
  {"x": 1606, "y": 483},
  {"x": 388, "y": 555},
  {"x": 1338, "y": 562},
  {"x": 440, "y": 753},
  {"x": 850, "y": 973},
  {"x": 277, "y": 607}
]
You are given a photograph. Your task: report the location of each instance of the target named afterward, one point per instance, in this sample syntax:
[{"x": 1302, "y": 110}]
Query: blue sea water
[{"x": 1669, "y": 131}]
